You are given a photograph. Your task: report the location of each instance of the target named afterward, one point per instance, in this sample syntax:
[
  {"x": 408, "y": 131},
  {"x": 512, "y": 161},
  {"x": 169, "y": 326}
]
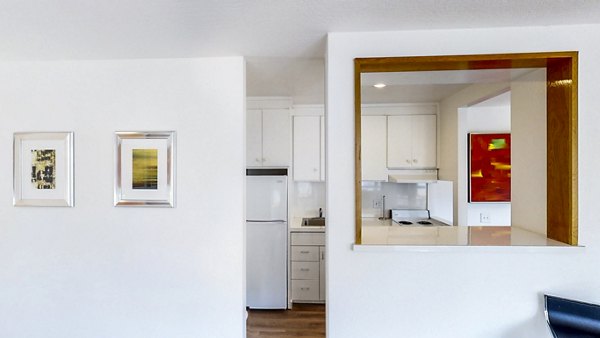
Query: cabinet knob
[
  {"x": 407, "y": 161},
  {"x": 415, "y": 160},
  {"x": 257, "y": 160},
  {"x": 264, "y": 159}
]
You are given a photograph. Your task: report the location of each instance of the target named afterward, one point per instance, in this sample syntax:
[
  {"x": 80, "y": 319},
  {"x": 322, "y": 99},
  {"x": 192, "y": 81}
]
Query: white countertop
[
  {"x": 296, "y": 226},
  {"x": 386, "y": 233}
]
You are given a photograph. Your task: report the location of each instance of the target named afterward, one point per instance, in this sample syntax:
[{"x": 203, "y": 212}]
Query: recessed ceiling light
[{"x": 379, "y": 85}]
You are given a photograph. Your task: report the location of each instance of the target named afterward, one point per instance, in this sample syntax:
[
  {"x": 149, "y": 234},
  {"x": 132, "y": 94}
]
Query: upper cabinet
[
  {"x": 411, "y": 142},
  {"x": 309, "y": 145},
  {"x": 268, "y": 138},
  {"x": 373, "y": 148}
]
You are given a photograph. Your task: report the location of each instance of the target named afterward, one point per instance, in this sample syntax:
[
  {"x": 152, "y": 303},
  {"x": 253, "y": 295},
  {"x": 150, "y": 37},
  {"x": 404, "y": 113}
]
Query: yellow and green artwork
[
  {"x": 144, "y": 169},
  {"x": 43, "y": 168}
]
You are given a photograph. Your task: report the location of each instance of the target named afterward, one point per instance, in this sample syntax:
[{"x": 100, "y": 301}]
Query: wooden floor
[{"x": 303, "y": 321}]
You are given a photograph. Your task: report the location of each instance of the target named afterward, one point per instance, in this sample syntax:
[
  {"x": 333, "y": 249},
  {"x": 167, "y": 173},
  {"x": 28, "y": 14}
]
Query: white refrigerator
[{"x": 266, "y": 239}]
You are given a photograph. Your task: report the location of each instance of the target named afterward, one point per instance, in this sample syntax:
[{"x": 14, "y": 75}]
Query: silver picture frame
[
  {"x": 43, "y": 169},
  {"x": 144, "y": 169}
]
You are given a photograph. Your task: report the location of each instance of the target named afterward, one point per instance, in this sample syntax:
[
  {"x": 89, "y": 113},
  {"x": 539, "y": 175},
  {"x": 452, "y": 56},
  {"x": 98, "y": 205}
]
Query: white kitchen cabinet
[
  {"x": 373, "y": 148},
  {"x": 268, "y": 138},
  {"x": 322, "y": 176},
  {"x": 307, "y": 267},
  {"x": 305, "y": 290},
  {"x": 254, "y": 137},
  {"x": 308, "y": 148},
  {"x": 411, "y": 142},
  {"x": 322, "y": 273}
]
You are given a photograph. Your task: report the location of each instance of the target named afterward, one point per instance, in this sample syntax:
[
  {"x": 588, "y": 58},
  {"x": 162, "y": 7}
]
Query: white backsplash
[
  {"x": 307, "y": 198},
  {"x": 397, "y": 196}
]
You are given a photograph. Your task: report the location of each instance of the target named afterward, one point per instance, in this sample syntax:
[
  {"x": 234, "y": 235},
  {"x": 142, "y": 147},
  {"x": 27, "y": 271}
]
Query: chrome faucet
[
  {"x": 320, "y": 213},
  {"x": 383, "y": 215}
]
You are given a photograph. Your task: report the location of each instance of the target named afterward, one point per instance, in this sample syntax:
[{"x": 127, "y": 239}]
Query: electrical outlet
[
  {"x": 484, "y": 217},
  {"x": 377, "y": 203}
]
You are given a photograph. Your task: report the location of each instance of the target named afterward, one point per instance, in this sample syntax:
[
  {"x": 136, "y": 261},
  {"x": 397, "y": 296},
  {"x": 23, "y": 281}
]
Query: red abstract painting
[{"x": 489, "y": 167}]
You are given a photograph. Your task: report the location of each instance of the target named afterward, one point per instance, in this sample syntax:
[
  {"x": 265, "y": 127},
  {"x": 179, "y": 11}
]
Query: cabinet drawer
[
  {"x": 305, "y": 253},
  {"x": 305, "y": 270},
  {"x": 308, "y": 238},
  {"x": 305, "y": 290}
]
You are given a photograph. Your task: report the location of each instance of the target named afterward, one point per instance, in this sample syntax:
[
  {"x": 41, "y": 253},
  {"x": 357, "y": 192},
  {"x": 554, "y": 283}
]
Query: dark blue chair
[{"x": 572, "y": 319}]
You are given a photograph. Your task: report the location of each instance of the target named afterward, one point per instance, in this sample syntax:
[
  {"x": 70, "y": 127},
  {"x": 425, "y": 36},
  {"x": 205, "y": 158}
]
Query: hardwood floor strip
[{"x": 303, "y": 321}]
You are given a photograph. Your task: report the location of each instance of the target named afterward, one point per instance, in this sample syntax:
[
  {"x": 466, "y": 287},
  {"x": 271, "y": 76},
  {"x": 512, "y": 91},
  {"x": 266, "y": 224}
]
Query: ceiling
[
  {"x": 430, "y": 86},
  {"x": 261, "y": 29}
]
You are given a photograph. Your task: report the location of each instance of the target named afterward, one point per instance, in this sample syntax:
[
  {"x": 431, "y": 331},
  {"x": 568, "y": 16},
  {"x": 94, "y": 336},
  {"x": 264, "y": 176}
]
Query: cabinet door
[
  {"x": 276, "y": 138},
  {"x": 424, "y": 141},
  {"x": 305, "y": 289},
  {"x": 305, "y": 270},
  {"x": 307, "y": 148},
  {"x": 305, "y": 253},
  {"x": 253, "y": 138},
  {"x": 322, "y": 177},
  {"x": 399, "y": 142},
  {"x": 308, "y": 238},
  {"x": 373, "y": 146},
  {"x": 322, "y": 274}
]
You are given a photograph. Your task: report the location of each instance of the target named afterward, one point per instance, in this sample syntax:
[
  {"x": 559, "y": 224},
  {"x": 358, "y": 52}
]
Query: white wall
[
  {"x": 452, "y": 138},
  {"x": 440, "y": 202},
  {"x": 99, "y": 271},
  {"x": 307, "y": 198},
  {"x": 453, "y": 292},
  {"x": 528, "y": 152},
  {"x": 397, "y": 196},
  {"x": 479, "y": 119}
]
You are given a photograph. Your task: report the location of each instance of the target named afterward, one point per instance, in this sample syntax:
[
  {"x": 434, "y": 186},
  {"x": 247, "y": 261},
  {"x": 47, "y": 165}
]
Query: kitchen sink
[{"x": 313, "y": 222}]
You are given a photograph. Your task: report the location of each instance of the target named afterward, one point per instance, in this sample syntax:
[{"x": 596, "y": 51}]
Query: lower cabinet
[{"x": 307, "y": 267}]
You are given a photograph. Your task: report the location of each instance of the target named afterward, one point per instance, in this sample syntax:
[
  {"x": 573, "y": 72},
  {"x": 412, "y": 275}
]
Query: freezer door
[
  {"x": 266, "y": 265},
  {"x": 266, "y": 198}
]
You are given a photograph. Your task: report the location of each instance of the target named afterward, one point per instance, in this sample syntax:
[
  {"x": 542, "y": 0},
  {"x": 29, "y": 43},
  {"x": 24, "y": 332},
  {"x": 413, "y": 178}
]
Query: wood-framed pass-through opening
[{"x": 561, "y": 122}]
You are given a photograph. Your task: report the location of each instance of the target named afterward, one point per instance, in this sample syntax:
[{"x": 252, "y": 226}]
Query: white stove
[{"x": 414, "y": 217}]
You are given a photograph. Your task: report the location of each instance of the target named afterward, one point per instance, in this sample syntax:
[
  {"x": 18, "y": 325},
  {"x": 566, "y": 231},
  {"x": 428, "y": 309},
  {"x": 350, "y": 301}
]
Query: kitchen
[
  {"x": 402, "y": 141},
  {"x": 285, "y": 181},
  {"x": 285, "y": 148},
  {"x": 403, "y": 199}
]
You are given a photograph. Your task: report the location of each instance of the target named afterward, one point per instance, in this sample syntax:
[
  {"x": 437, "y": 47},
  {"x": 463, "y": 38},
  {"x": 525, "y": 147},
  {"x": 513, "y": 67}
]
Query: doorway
[{"x": 286, "y": 122}]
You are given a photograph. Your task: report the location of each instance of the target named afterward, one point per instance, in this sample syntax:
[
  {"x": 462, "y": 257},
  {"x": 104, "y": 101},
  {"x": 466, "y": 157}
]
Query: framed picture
[
  {"x": 43, "y": 169},
  {"x": 145, "y": 169},
  {"x": 489, "y": 167}
]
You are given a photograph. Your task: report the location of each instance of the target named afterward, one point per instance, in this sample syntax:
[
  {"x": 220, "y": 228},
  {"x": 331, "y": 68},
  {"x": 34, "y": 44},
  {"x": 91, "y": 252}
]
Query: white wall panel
[
  {"x": 99, "y": 271},
  {"x": 469, "y": 292}
]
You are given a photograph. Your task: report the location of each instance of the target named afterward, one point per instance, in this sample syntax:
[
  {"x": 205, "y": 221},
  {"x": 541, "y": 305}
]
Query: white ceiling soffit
[
  {"x": 109, "y": 29},
  {"x": 444, "y": 77},
  {"x": 434, "y": 86},
  {"x": 301, "y": 79},
  {"x": 409, "y": 93}
]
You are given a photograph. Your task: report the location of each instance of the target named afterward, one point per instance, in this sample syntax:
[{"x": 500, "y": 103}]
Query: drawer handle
[
  {"x": 304, "y": 252},
  {"x": 304, "y": 289},
  {"x": 305, "y": 269}
]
